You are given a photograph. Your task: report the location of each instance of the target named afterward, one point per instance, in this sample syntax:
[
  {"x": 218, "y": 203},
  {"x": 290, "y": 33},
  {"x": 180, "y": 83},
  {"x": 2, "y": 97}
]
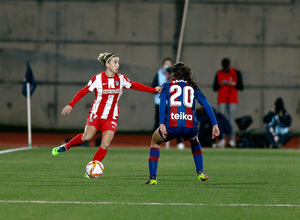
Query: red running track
[{"x": 120, "y": 140}]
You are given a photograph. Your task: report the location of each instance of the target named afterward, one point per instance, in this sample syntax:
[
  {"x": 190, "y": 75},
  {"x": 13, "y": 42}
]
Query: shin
[{"x": 197, "y": 154}]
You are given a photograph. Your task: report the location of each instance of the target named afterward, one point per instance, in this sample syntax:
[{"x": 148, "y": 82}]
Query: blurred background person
[
  {"x": 205, "y": 129},
  {"x": 227, "y": 82},
  {"x": 278, "y": 122},
  {"x": 160, "y": 78}
]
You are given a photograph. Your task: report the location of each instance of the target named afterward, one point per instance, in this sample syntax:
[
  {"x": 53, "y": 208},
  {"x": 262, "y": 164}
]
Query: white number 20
[{"x": 188, "y": 96}]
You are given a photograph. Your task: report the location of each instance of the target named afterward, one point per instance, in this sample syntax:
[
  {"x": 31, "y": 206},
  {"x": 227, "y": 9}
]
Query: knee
[
  {"x": 86, "y": 137},
  {"x": 156, "y": 139},
  {"x": 104, "y": 145},
  {"x": 194, "y": 142},
  {"x": 155, "y": 143}
]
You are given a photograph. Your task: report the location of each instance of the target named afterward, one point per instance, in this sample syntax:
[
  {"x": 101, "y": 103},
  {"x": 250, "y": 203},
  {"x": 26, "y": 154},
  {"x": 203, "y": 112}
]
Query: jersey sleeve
[
  {"x": 162, "y": 104},
  {"x": 216, "y": 85},
  {"x": 239, "y": 84},
  {"x": 92, "y": 84},
  {"x": 81, "y": 93},
  {"x": 199, "y": 95},
  {"x": 142, "y": 87},
  {"x": 126, "y": 82},
  {"x": 203, "y": 101}
]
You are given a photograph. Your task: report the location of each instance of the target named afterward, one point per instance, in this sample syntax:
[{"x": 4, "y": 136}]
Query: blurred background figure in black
[
  {"x": 278, "y": 122},
  {"x": 205, "y": 129}
]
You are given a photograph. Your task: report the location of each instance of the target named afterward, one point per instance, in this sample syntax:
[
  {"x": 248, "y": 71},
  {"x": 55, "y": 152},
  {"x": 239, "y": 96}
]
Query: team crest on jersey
[
  {"x": 91, "y": 119},
  {"x": 117, "y": 82}
]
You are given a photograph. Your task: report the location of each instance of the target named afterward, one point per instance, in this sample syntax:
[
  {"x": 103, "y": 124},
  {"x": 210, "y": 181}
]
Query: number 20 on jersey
[{"x": 188, "y": 95}]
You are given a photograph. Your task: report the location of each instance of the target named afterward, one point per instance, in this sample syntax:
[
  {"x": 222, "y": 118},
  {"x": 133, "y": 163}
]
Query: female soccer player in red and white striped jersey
[{"x": 103, "y": 115}]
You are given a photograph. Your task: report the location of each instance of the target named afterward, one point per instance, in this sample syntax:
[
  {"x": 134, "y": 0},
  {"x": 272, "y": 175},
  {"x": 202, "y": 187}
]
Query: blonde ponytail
[{"x": 105, "y": 57}]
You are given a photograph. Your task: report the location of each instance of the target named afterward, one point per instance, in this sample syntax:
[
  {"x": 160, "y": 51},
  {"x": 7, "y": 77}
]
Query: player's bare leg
[
  {"x": 156, "y": 139},
  {"x": 154, "y": 156},
  {"x": 198, "y": 158},
  {"x": 107, "y": 137},
  {"x": 89, "y": 133}
]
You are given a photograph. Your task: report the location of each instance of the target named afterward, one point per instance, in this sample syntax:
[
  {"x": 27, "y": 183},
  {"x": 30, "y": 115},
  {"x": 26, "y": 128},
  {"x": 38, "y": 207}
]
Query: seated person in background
[
  {"x": 205, "y": 128},
  {"x": 278, "y": 122}
]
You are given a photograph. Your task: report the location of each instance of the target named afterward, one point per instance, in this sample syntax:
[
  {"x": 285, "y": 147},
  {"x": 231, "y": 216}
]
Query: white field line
[
  {"x": 15, "y": 149},
  {"x": 145, "y": 203}
]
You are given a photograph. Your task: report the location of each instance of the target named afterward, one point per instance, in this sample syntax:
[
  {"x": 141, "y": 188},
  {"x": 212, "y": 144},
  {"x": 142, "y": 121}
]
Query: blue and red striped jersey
[{"x": 177, "y": 105}]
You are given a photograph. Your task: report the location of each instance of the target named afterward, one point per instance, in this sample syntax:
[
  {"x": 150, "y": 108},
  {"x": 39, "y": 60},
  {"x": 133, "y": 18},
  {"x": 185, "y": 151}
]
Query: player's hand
[
  {"x": 163, "y": 130},
  {"x": 158, "y": 89},
  {"x": 66, "y": 110},
  {"x": 215, "y": 131}
]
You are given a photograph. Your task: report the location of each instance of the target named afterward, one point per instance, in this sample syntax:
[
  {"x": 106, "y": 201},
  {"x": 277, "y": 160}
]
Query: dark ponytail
[{"x": 182, "y": 71}]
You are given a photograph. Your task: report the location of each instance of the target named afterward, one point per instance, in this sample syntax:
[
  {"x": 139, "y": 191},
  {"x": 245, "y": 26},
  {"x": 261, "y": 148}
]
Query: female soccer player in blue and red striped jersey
[
  {"x": 103, "y": 115},
  {"x": 178, "y": 100}
]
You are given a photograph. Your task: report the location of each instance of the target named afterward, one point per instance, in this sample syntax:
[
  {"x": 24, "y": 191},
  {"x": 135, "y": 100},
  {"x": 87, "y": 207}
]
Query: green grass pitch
[{"x": 237, "y": 176}]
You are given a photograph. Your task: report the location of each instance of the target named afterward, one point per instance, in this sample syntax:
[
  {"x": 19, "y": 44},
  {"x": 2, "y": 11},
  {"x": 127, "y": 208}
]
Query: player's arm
[
  {"x": 144, "y": 88},
  {"x": 162, "y": 112},
  {"x": 128, "y": 84},
  {"x": 203, "y": 101},
  {"x": 79, "y": 95},
  {"x": 88, "y": 88}
]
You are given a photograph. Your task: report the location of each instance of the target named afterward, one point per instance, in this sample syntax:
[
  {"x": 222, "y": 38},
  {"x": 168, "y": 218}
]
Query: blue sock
[
  {"x": 153, "y": 160},
  {"x": 198, "y": 157}
]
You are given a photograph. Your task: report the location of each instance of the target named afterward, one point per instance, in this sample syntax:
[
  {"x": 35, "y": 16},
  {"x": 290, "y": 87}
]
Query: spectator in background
[
  {"x": 163, "y": 74},
  {"x": 278, "y": 122},
  {"x": 159, "y": 79},
  {"x": 227, "y": 82},
  {"x": 205, "y": 128}
]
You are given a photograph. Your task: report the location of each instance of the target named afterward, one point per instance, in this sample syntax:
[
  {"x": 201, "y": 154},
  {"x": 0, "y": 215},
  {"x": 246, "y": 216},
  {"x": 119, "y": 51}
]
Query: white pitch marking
[
  {"x": 15, "y": 149},
  {"x": 145, "y": 203}
]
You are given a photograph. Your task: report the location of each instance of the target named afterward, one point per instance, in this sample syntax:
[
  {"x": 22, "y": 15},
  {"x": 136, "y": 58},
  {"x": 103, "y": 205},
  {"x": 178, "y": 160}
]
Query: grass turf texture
[{"x": 236, "y": 177}]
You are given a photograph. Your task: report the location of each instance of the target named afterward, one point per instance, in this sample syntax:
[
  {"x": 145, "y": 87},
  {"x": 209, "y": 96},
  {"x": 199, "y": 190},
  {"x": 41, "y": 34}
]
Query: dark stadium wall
[{"x": 62, "y": 39}]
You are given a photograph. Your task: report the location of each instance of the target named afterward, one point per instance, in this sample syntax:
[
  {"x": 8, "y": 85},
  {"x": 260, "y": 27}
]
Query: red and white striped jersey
[{"x": 108, "y": 91}]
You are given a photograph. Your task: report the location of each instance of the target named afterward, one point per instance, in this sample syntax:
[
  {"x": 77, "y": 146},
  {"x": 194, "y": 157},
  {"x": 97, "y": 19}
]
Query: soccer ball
[{"x": 94, "y": 169}]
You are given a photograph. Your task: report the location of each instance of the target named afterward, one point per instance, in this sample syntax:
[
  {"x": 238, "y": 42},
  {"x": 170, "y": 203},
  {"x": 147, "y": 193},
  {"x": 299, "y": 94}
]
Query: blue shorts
[{"x": 185, "y": 133}]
